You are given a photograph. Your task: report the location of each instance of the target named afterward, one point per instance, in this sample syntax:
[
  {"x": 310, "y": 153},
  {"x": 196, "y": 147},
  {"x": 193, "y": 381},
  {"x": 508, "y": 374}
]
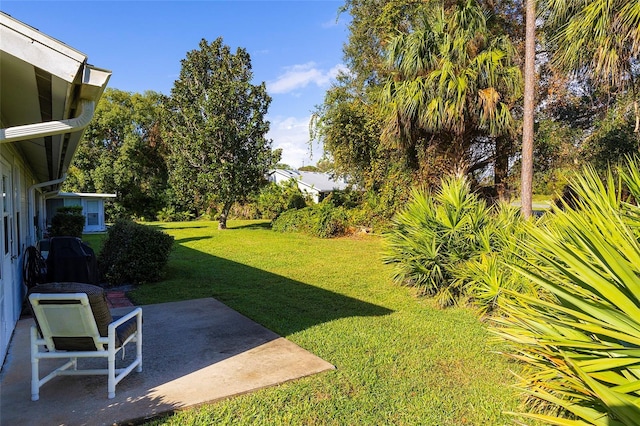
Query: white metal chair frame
[{"x": 73, "y": 317}]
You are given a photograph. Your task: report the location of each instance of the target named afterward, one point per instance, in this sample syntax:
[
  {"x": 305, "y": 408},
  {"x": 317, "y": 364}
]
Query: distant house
[
  {"x": 92, "y": 208},
  {"x": 315, "y": 185}
]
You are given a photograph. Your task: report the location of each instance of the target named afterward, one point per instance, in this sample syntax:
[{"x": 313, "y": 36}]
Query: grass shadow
[
  {"x": 260, "y": 225},
  {"x": 281, "y": 304}
]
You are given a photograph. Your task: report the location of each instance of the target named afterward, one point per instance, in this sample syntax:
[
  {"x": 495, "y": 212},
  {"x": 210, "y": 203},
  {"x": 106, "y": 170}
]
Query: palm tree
[
  {"x": 598, "y": 38},
  {"x": 526, "y": 177},
  {"x": 450, "y": 80}
]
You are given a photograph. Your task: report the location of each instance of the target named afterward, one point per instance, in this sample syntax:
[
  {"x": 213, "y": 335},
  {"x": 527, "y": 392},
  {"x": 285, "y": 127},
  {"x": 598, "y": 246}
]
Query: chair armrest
[
  {"x": 111, "y": 338},
  {"x": 125, "y": 318}
]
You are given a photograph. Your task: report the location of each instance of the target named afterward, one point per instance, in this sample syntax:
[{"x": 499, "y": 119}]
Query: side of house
[
  {"x": 49, "y": 94},
  {"x": 315, "y": 185},
  {"x": 92, "y": 208}
]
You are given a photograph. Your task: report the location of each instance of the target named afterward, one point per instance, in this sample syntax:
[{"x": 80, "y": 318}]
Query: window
[{"x": 93, "y": 208}]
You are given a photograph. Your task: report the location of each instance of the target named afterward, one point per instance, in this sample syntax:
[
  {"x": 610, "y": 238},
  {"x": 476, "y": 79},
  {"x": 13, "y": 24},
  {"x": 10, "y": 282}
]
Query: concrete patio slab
[{"x": 194, "y": 351}]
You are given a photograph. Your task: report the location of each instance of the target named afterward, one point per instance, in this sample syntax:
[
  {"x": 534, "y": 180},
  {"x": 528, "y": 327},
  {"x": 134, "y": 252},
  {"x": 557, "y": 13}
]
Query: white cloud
[
  {"x": 337, "y": 20},
  {"x": 292, "y": 135},
  {"x": 300, "y": 76},
  {"x": 330, "y": 23}
]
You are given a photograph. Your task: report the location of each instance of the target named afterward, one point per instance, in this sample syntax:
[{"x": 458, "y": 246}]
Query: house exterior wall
[
  {"x": 15, "y": 181},
  {"x": 311, "y": 191},
  {"x": 49, "y": 95},
  {"x": 92, "y": 210}
]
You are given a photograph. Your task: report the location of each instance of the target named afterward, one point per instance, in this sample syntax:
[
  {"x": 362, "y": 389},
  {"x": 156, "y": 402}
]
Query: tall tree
[
  {"x": 215, "y": 130},
  {"x": 122, "y": 152},
  {"x": 452, "y": 83},
  {"x": 599, "y": 38},
  {"x": 526, "y": 186}
]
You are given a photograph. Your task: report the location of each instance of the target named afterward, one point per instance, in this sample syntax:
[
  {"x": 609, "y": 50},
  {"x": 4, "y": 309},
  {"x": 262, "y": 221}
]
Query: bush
[
  {"x": 67, "y": 222},
  {"x": 169, "y": 214},
  {"x": 487, "y": 279},
  {"x": 328, "y": 221},
  {"x": 134, "y": 253},
  {"x": 433, "y": 238},
  {"x": 292, "y": 221},
  {"x": 582, "y": 346},
  {"x": 274, "y": 199},
  {"x": 322, "y": 220}
]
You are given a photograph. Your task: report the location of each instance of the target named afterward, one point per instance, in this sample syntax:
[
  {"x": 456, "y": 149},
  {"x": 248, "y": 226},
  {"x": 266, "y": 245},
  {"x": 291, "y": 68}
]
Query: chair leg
[
  {"x": 111, "y": 385},
  {"x": 139, "y": 343},
  {"x": 35, "y": 374}
]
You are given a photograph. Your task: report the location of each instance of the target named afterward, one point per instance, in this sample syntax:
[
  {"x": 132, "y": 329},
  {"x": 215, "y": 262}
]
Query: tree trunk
[
  {"x": 222, "y": 219},
  {"x": 529, "y": 109},
  {"x": 501, "y": 167}
]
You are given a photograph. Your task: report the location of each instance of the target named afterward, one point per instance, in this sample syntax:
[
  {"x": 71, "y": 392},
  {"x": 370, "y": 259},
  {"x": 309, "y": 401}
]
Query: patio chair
[{"x": 73, "y": 321}]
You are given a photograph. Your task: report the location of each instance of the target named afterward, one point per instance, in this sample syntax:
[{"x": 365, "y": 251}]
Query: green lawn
[{"x": 399, "y": 360}]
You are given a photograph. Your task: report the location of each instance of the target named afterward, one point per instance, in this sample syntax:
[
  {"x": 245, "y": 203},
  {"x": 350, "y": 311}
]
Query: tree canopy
[
  {"x": 215, "y": 129},
  {"x": 451, "y": 82},
  {"x": 122, "y": 152}
]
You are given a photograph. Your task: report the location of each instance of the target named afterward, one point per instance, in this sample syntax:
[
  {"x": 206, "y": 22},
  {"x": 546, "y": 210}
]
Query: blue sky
[{"x": 295, "y": 47}]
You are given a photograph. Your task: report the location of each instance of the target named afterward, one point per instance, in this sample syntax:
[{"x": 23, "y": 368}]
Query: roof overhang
[
  {"x": 48, "y": 93},
  {"x": 83, "y": 195}
]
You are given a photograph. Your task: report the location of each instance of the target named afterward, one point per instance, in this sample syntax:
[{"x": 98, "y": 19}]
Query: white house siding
[
  {"x": 314, "y": 185},
  {"x": 49, "y": 94},
  {"x": 15, "y": 179},
  {"x": 92, "y": 208}
]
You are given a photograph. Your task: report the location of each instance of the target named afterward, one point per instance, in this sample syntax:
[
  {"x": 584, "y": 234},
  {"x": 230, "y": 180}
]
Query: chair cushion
[
  {"x": 99, "y": 307},
  {"x": 126, "y": 329}
]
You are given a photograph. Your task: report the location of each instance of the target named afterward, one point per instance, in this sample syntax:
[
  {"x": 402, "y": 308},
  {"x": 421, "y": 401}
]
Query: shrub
[
  {"x": 434, "y": 236},
  {"x": 485, "y": 275},
  {"x": 134, "y": 253},
  {"x": 322, "y": 220},
  {"x": 293, "y": 221},
  {"x": 328, "y": 221},
  {"x": 67, "y": 222},
  {"x": 274, "y": 199},
  {"x": 582, "y": 346},
  {"x": 170, "y": 214}
]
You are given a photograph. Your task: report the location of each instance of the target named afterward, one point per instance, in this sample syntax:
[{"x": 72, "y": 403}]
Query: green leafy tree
[
  {"x": 599, "y": 38},
  {"x": 122, "y": 152},
  {"x": 349, "y": 122},
  {"x": 215, "y": 130},
  {"x": 612, "y": 138},
  {"x": 453, "y": 83},
  {"x": 349, "y": 127}
]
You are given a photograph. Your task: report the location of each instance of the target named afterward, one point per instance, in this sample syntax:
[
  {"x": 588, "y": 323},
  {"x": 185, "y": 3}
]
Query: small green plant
[
  {"x": 274, "y": 199},
  {"x": 170, "y": 214},
  {"x": 433, "y": 238},
  {"x": 67, "y": 222},
  {"x": 322, "y": 220},
  {"x": 485, "y": 275},
  {"x": 582, "y": 345},
  {"x": 134, "y": 254}
]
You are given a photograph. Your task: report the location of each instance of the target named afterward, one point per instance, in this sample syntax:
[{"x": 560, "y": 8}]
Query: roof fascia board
[
  {"x": 84, "y": 195},
  {"x": 47, "y": 53}
]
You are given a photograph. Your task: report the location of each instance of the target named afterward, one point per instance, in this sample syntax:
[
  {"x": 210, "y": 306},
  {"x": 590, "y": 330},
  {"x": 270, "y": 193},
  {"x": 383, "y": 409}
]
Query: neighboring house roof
[
  {"x": 49, "y": 95},
  {"x": 83, "y": 195},
  {"x": 322, "y": 182}
]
